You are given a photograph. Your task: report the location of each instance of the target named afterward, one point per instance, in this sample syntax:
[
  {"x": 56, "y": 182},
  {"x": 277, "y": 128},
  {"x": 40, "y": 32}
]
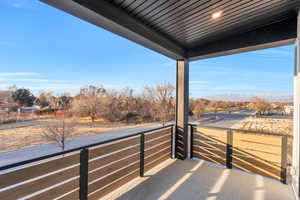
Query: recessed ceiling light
[{"x": 216, "y": 15}]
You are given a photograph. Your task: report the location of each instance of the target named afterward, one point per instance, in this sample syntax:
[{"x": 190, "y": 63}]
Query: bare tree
[
  {"x": 143, "y": 107},
  {"x": 214, "y": 105},
  {"x": 259, "y": 105},
  {"x": 6, "y": 94},
  {"x": 90, "y": 102},
  {"x": 119, "y": 105},
  {"x": 47, "y": 99},
  {"x": 113, "y": 106},
  {"x": 64, "y": 101},
  {"x": 198, "y": 108},
  {"x": 59, "y": 131},
  {"x": 162, "y": 98},
  {"x": 280, "y": 108}
]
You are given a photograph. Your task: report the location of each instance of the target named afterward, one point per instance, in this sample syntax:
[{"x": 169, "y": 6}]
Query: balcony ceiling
[{"x": 186, "y": 29}]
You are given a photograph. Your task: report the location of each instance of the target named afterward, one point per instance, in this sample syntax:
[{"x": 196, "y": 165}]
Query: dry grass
[
  {"x": 271, "y": 125},
  {"x": 24, "y": 134}
]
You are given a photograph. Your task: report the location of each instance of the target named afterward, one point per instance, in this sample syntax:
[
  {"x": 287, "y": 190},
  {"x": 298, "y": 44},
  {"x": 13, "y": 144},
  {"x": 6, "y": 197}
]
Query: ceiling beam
[
  {"x": 276, "y": 34},
  {"x": 105, "y": 15}
]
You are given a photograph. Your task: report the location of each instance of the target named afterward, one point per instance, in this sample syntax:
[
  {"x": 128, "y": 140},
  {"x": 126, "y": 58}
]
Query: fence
[
  {"x": 19, "y": 117},
  {"x": 259, "y": 153},
  {"x": 88, "y": 172}
]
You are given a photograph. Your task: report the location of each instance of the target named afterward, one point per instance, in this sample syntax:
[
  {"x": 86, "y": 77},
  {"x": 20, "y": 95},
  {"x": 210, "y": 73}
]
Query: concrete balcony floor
[{"x": 200, "y": 180}]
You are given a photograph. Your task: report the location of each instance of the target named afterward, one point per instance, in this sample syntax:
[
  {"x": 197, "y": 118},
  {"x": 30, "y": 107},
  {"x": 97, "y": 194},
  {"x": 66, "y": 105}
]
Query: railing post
[
  {"x": 191, "y": 141},
  {"x": 182, "y": 108},
  {"x": 142, "y": 154},
  {"x": 84, "y": 168},
  {"x": 283, "y": 172},
  {"x": 175, "y": 142},
  {"x": 172, "y": 142},
  {"x": 229, "y": 149}
]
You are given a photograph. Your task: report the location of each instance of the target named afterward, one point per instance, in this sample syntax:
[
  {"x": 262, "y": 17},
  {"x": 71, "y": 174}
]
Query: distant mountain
[{"x": 249, "y": 97}]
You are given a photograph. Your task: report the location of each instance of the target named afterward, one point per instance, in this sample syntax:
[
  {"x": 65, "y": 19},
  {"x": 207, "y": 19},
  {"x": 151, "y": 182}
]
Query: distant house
[
  {"x": 8, "y": 106},
  {"x": 289, "y": 109},
  {"x": 29, "y": 109}
]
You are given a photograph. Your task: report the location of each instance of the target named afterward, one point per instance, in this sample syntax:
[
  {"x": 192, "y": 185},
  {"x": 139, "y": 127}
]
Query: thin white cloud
[
  {"x": 47, "y": 87},
  {"x": 249, "y": 96},
  {"x": 67, "y": 87},
  {"x": 59, "y": 87},
  {"x": 18, "y": 74},
  {"x": 56, "y": 87},
  {"x": 31, "y": 80},
  {"x": 16, "y": 3},
  {"x": 3, "y": 86},
  {"x": 170, "y": 63},
  {"x": 114, "y": 86},
  {"x": 278, "y": 53}
]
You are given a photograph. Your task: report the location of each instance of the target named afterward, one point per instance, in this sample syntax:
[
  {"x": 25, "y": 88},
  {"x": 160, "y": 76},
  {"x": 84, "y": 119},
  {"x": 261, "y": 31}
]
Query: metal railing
[
  {"x": 17, "y": 164},
  {"x": 231, "y": 146},
  {"x": 84, "y": 157}
]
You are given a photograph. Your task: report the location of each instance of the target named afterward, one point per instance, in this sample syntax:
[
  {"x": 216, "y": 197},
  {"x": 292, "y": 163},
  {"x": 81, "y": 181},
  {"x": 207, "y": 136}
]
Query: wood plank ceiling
[{"x": 189, "y": 23}]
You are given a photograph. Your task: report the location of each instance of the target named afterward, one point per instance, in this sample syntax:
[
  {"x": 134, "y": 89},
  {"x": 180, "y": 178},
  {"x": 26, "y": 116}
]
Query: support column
[
  {"x": 182, "y": 109},
  {"x": 296, "y": 115}
]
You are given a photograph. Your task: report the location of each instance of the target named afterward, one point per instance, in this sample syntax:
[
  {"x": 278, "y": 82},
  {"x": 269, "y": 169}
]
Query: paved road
[
  {"x": 234, "y": 119},
  {"x": 44, "y": 149},
  {"x": 227, "y": 120}
]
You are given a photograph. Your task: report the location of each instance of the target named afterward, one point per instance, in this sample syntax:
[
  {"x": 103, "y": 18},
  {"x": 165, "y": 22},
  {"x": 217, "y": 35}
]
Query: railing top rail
[
  {"x": 17, "y": 164},
  {"x": 244, "y": 131}
]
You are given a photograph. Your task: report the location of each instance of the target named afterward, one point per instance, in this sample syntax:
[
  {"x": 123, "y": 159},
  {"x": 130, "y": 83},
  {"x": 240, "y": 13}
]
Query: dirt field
[
  {"x": 271, "y": 125},
  {"x": 24, "y": 134}
]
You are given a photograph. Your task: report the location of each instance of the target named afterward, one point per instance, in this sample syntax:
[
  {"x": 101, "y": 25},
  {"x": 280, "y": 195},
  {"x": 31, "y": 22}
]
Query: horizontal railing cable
[{"x": 17, "y": 164}]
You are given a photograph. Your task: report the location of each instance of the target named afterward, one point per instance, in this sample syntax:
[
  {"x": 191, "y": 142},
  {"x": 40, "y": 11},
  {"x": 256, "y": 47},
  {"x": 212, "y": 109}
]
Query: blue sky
[{"x": 45, "y": 49}]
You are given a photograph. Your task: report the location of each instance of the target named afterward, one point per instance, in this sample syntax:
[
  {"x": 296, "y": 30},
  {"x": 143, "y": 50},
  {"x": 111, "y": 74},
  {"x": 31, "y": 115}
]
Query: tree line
[{"x": 152, "y": 104}]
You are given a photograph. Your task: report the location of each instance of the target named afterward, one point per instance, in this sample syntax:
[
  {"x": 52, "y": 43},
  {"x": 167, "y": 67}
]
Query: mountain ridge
[{"x": 249, "y": 97}]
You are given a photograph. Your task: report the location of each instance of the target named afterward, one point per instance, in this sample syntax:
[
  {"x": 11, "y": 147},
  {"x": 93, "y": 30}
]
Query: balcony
[
  {"x": 185, "y": 32},
  {"x": 198, "y": 179},
  {"x": 142, "y": 166}
]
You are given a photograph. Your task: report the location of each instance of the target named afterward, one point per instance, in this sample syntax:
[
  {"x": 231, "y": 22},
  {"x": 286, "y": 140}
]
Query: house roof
[
  {"x": 9, "y": 105},
  {"x": 186, "y": 29}
]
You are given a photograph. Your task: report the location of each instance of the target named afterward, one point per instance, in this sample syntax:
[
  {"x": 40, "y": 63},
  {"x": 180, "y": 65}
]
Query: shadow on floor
[{"x": 200, "y": 180}]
